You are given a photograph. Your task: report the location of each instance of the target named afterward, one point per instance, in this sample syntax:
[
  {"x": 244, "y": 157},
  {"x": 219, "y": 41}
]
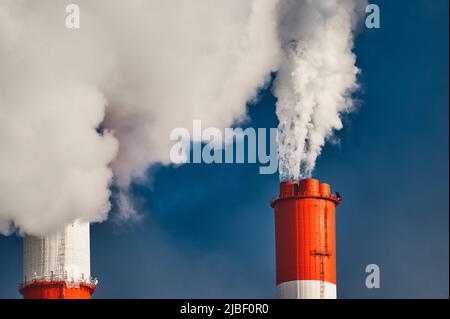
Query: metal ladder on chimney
[
  {"x": 323, "y": 253},
  {"x": 61, "y": 254},
  {"x": 61, "y": 258}
]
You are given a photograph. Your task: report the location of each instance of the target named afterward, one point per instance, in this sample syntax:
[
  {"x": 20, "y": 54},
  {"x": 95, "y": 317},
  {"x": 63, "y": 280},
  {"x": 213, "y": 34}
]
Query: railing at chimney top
[{"x": 52, "y": 277}]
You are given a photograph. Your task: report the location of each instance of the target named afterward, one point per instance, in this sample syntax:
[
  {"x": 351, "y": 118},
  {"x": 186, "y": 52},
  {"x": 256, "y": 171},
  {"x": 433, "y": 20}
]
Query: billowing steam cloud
[
  {"x": 316, "y": 79},
  {"x": 78, "y": 107},
  {"x": 82, "y": 109}
]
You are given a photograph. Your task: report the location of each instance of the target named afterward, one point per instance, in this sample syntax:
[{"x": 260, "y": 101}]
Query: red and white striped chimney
[
  {"x": 305, "y": 240},
  {"x": 57, "y": 266}
]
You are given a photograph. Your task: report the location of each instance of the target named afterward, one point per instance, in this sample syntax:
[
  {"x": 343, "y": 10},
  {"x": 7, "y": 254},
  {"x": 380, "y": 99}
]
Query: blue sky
[{"x": 208, "y": 230}]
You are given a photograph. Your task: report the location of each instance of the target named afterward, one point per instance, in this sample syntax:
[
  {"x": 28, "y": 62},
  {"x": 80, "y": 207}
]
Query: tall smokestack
[
  {"x": 57, "y": 266},
  {"x": 305, "y": 240}
]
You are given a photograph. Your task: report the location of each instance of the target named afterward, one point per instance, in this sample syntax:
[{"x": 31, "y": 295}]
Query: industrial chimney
[
  {"x": 305, "y": 240},
  {"x": 57, "y": 266}
]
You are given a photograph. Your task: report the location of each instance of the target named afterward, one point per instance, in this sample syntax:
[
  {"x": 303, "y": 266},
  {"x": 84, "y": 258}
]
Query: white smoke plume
[
  {"x": 84, "y": 108},
  {"x": 316, "y": 79}
]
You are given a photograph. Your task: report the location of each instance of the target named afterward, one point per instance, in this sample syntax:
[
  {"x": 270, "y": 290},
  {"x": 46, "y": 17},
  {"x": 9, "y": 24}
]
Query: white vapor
[
  {"x": 316, "y": 79},
  {"x": 82, "y": 109}
]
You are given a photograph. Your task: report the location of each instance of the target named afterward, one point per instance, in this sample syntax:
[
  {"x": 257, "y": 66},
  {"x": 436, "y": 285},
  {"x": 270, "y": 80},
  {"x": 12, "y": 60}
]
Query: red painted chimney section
[{"x": 305, "y": 240}]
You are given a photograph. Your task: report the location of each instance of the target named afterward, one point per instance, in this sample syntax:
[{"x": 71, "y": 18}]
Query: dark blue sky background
[{"x": 208, "y": 230}]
